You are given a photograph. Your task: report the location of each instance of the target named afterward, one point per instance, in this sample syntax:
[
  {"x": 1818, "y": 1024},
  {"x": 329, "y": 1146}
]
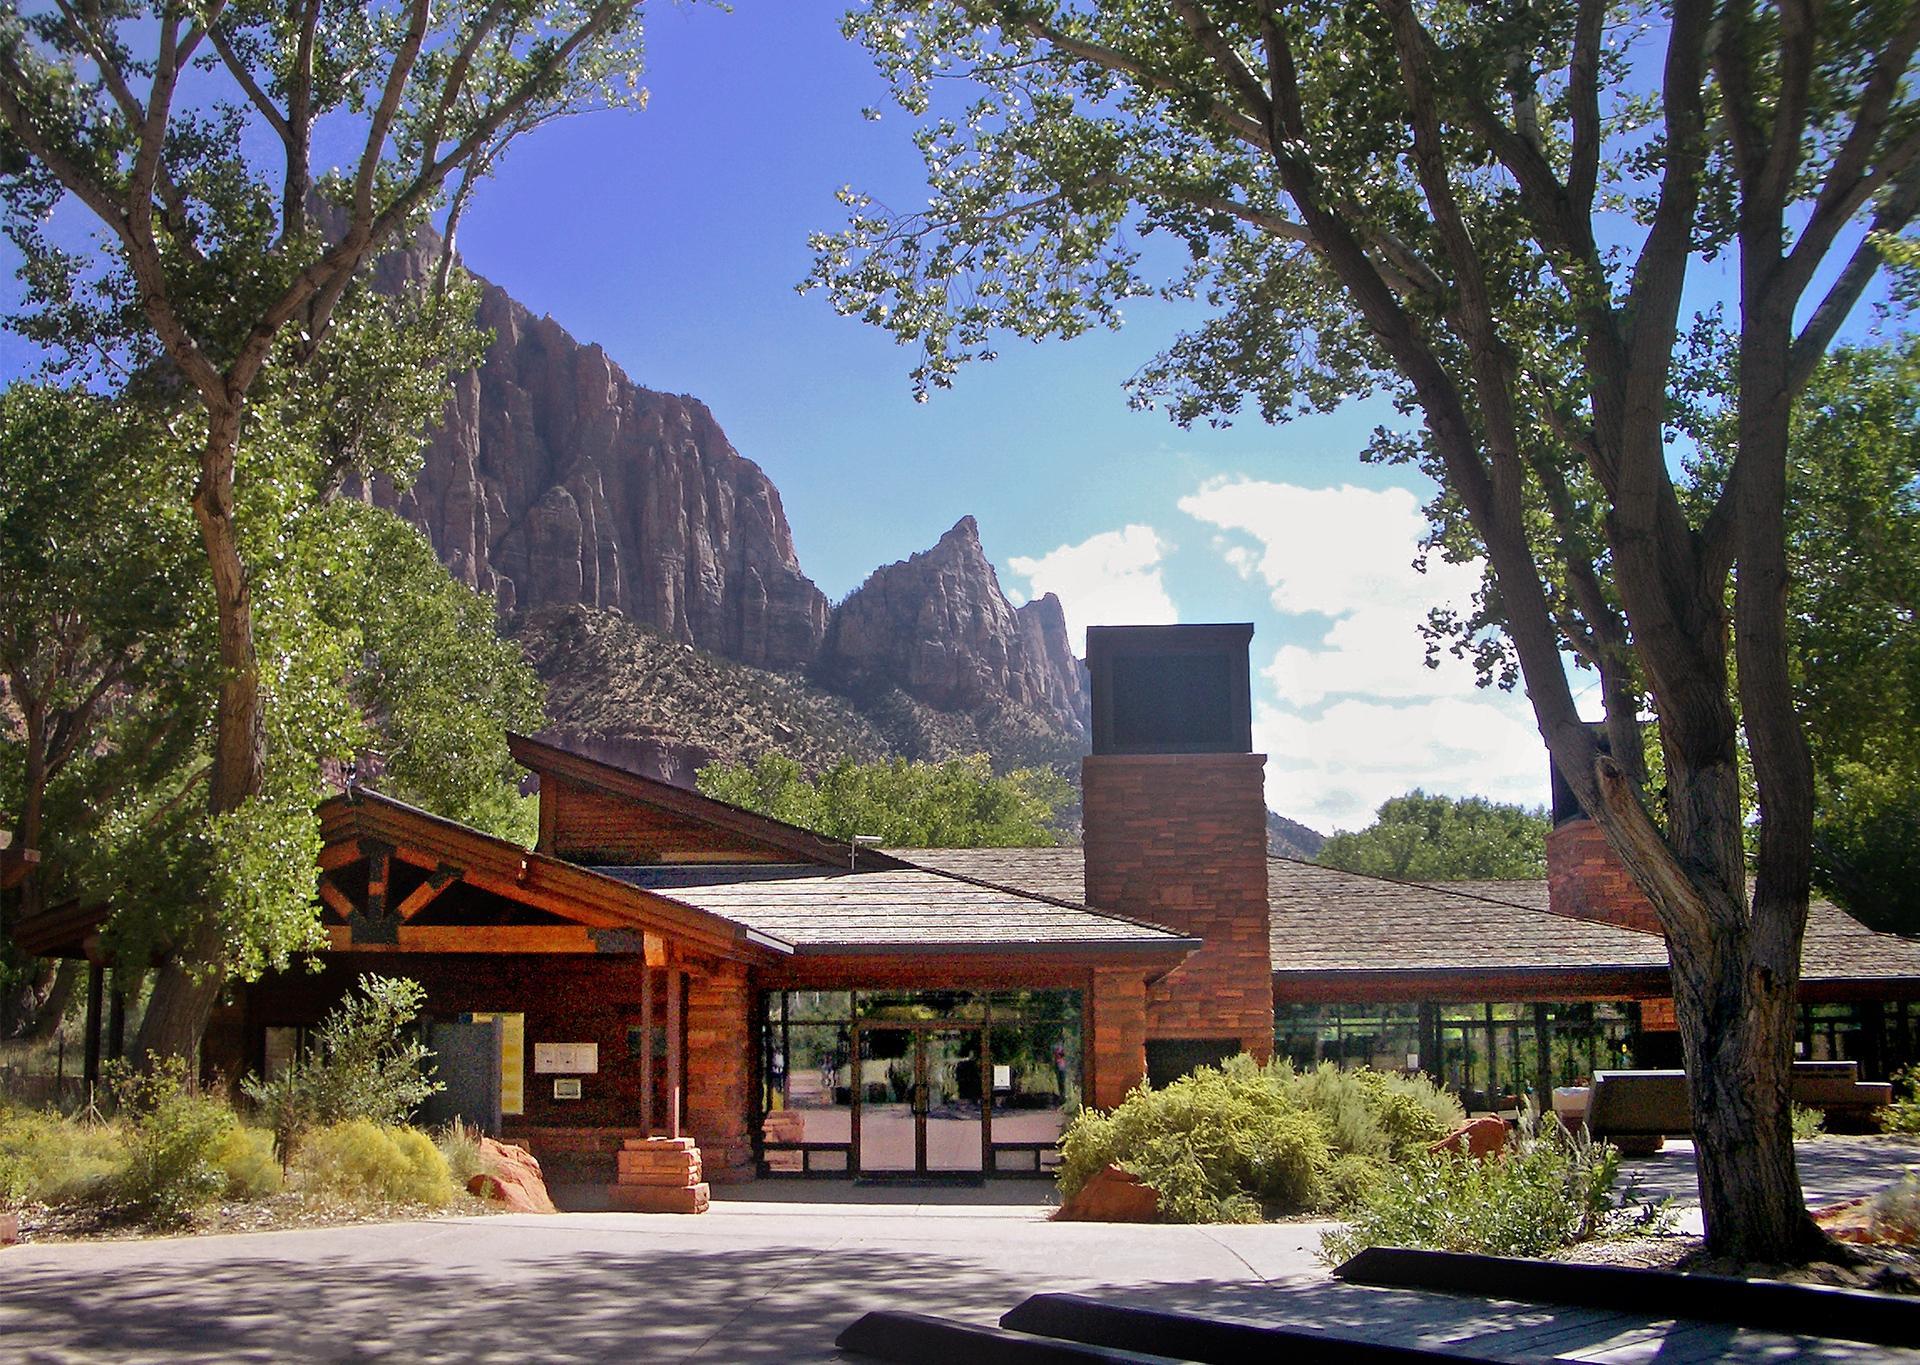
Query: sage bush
[{"x": 1246, "y": 1140}]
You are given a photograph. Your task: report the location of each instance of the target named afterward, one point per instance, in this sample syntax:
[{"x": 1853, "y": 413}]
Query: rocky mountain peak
[
  {"x": 938, "y": 626},
  {"x": 555, "y": 480}
]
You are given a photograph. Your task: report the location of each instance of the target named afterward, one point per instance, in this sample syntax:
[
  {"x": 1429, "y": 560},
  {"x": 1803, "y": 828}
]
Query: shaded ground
[{"x": 772, "y": 1273}]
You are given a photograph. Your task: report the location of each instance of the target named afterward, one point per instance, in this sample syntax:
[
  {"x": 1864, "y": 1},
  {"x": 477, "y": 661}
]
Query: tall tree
[
  {"x": 1854, "y": 545},
  {"x": 102, "y": 634},
  {"x": 1425, "y": 838},
  {"x": 225, "y": 265},
  {"x": 1494, "y": 215}
]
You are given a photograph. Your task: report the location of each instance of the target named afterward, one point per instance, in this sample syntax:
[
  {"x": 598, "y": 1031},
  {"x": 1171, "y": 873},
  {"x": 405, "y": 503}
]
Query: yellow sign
[{"x": 513, "y": 1060}]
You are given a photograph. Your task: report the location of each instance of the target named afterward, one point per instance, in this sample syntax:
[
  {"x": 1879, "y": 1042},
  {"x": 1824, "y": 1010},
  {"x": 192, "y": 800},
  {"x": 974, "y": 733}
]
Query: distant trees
[
  {"x": 956, "y": 804},
  {"x": 1422, "y": 838}
]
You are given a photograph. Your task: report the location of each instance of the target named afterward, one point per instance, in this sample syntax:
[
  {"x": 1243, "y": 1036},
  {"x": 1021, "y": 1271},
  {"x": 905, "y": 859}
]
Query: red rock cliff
[
  {"x": 938, "y": 626},
  {"x": 557, "y": 480}
]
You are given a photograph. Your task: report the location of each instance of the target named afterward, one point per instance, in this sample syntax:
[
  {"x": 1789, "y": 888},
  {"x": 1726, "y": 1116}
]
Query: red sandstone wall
[
  {"x": 1586, "y": 880},
  {"x": 1181, "y": 840},
  {"x": 1116, "y": 1045}
]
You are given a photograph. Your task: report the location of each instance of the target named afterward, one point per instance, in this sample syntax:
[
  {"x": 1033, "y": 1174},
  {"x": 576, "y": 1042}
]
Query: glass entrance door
[
  {"x": 919, "y": 1100},
  {"x": 885, "y": 1087}
]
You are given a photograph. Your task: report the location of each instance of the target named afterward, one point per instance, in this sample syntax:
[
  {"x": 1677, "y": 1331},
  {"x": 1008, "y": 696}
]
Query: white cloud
[
  {"x": 1345, "y": 553},
  {"x": 1113, "y": 578},
  {"x": 1332, "y": 769},
  {"x": 1355, "y": 714}
]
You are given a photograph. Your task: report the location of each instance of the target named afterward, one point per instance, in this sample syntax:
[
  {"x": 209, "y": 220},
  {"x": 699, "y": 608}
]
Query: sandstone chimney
[
  {"x": 1175, "y": 821},
  {"x": 1584, "y": 877}
]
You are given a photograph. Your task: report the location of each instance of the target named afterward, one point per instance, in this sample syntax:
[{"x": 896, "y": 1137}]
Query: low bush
[
  {"x": 1808, "y": 1123},
  {"x": 47, "y": 1159},
  {"x": 174, "y": 1139},
  {"x": 460, "y": 1145},
  {"x": 361, "y": 1160},
  {"x": 1549, "y": 1189},
  {"x": 1217, "y": 1147},
  {"x": 365, "y": 1063},
  {"x": 1903, "y": 1115},
  {"x": 1374, "y": 1113},
  {"x": 245, "y": 1157}
]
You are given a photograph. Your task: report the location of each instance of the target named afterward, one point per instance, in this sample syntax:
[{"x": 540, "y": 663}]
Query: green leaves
[
  {"x": 1417, "y": 837},
  {"x": 956, "y": 804}
]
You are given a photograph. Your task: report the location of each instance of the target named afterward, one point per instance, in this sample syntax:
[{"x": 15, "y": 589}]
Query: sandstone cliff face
[
  {"x": 557, "y": 481},
  {"x": 938, "y": 627}
]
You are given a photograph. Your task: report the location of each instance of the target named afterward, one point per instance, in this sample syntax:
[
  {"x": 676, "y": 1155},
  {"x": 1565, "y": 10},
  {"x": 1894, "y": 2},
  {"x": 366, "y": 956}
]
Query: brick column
[
  {"x": 1587, "y": 881},
  {"x": 718, "y": 1077},
  {"x": 1117, "y": 1035},
  {"x": 1181, "y": 839}
]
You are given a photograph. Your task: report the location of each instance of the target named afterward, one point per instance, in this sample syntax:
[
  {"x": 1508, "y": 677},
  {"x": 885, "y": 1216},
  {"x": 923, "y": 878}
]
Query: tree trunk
[
  {"x": 1736, "y": 1030},
  {"x": 188, "y": 984}
]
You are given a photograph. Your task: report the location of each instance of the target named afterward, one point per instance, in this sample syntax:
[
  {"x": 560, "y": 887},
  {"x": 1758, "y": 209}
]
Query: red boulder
[
  {"x": 1482, "y": 1137},
  {"x": 1112, "y": 1196},
  {"x": 512, "y": 1177}
]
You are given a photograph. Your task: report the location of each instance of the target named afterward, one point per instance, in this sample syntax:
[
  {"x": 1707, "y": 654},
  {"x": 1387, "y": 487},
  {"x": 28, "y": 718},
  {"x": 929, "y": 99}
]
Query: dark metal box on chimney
[{"x": 1171, "y": 689}]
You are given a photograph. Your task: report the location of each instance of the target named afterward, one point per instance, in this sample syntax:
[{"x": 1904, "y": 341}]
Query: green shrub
[
  {"x": 1375, "y": 1113},
  {"x": 1808, "y": 1123},
  {"x": 48, "y": 1159},
  {"x": 245, "y": 1157},
  {"x": 1353, "y": 1179},
  {"x": 361, "y": 1160},
  {"x": 1544, "y": 1192},
  {"x": 1217, "y": 1145},
  {"x": 174, "y": 1138},
  {"x": 365, "y": 1064},
  {"x": 1903, "y": 1115}
]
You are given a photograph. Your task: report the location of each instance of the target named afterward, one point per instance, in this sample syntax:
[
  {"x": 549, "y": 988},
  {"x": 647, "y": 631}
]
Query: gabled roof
[
  {"x": 775, "y": 836},
  {"x": 352, "y": 824},
  {"x": 747, "y": 910},
  {"x": 912, "y": 909}
]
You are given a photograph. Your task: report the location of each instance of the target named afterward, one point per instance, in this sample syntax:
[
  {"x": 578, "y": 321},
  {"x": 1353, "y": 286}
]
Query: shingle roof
[
  {"x": 820, "y": 909},
  {"x": 1326, "y": 920},
  {"x": 1838, "y": 947}
]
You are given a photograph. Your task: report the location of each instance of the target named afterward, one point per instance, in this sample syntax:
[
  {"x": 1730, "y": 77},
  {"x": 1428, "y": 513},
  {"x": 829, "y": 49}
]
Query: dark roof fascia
[
  {"x": 543, "y": 758},
  {"x": 1167, "y": 947},
  {"x": 367, "y": 813}
]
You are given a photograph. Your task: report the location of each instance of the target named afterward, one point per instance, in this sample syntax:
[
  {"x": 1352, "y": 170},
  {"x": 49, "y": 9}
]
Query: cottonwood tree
[
  {"x": 190, "y": 134},
  {"x": 1497, "y": 216},
  {"x": 102, "y": 636},
  {"x": 1417, "y": 837}
]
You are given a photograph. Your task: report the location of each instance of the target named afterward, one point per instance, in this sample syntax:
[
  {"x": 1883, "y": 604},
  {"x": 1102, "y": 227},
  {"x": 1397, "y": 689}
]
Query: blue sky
[{"x": 674, "y": 238}]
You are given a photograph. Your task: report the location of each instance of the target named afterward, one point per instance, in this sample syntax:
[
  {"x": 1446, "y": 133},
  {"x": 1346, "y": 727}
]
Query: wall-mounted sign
[
  {"x": 566, "y": 1087},
  {"x": 568, "y": 1059},
  {"x": 1002, "y": 1077}
]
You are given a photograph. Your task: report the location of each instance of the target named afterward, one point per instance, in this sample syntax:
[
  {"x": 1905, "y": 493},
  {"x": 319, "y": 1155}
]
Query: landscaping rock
[
  {"x": 512, "y": 1177},
  {"x": 9, "y": 1229},
  {"x": 1874, "y": 1221},
  {"x": 1482, "y": 1137},
  {"x": 1112, "y": 1196}
]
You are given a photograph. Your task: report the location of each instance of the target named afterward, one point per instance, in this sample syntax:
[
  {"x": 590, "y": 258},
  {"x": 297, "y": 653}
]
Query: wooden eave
[
  {"x": 69, "y": 930},
  {"x": 358, "y": 826},
  {"x": 776, "y": 836}
]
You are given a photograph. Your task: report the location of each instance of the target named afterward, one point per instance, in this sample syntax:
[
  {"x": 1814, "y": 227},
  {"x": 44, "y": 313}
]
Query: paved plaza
[{"x": 773, "y": 1272}]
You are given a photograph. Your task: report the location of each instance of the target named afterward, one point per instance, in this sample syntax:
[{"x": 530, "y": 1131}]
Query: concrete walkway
[{"x": 771, "y": 1273}]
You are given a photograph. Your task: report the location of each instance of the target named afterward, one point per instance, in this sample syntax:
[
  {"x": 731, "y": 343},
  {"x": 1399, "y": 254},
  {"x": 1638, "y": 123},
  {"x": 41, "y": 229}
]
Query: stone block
[{"x": 659, "y": 1198}]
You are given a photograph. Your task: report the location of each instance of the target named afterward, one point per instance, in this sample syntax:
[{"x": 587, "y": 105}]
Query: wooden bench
[{"x": 1638, "y": 1110}]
